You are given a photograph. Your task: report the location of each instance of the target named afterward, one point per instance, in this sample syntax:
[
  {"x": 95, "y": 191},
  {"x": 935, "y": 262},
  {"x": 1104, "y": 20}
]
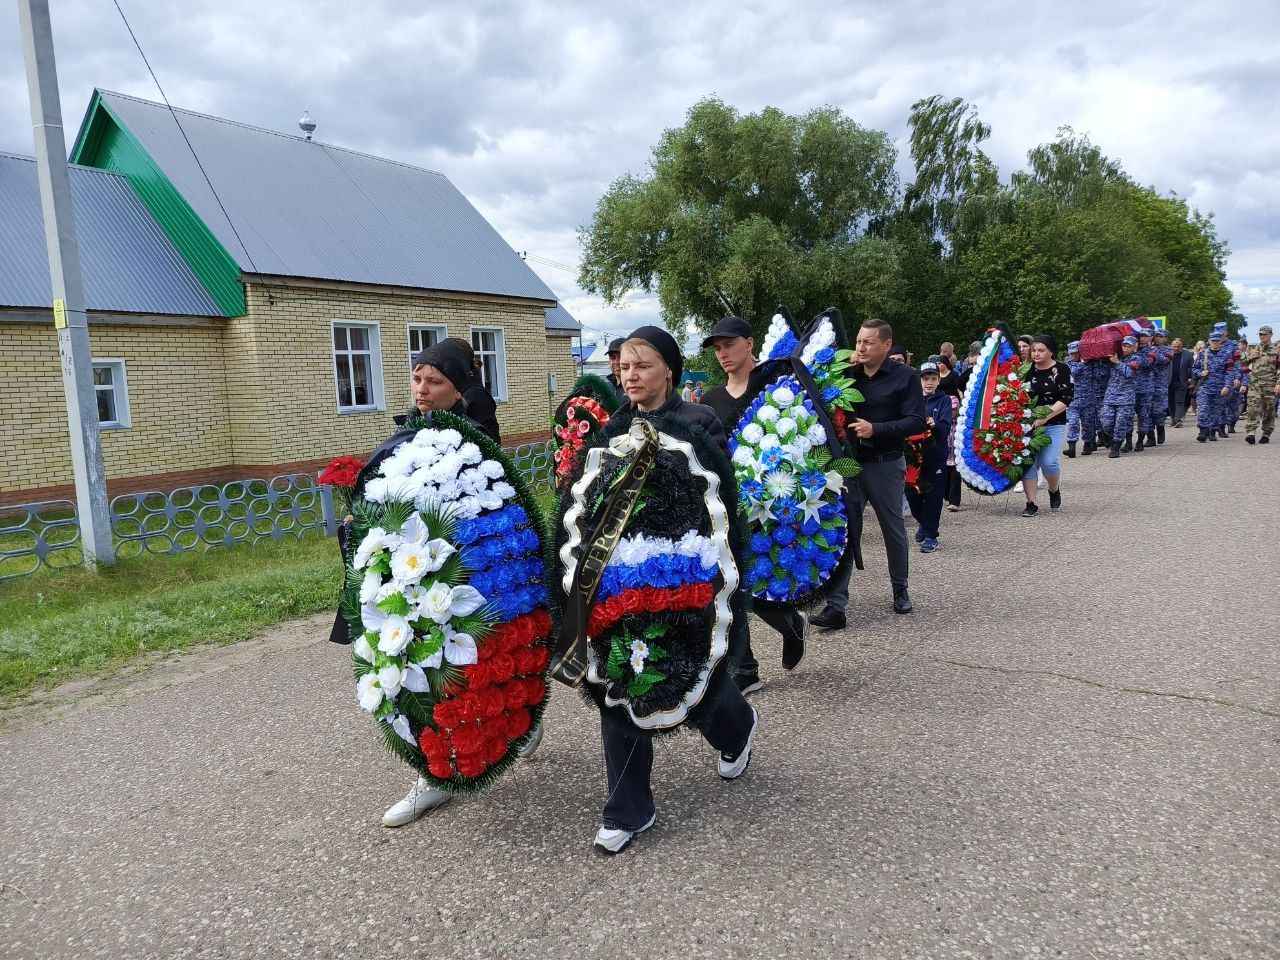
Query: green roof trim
[{"x": 106, "y": 143}]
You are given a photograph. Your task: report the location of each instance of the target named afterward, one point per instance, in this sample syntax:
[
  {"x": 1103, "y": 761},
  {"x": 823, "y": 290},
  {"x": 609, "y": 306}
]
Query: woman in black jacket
[{"x": 650, "y": 367}]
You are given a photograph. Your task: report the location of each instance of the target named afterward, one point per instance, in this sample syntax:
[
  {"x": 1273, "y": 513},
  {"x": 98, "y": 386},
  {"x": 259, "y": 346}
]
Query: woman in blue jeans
[{"x": 1050, "y": 385}]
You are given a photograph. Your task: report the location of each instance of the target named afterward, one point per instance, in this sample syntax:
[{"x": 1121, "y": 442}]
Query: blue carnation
[
  {"x": 810, "y": 526},
  {"x": 780, "y": 586},
  {"x": 784, "y": 535},
  {"x": 789, "y": 557},
  {"x": 829, "y": 394},
  {"x": 760, "y": 542},
  {"x": 825, "y": 355}
]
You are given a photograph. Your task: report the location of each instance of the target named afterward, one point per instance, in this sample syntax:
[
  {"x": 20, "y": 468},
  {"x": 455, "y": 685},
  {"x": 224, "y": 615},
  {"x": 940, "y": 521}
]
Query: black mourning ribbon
[{"x": 569, "y": 657}]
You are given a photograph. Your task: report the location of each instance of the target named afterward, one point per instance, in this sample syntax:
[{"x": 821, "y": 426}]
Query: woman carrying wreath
[
  {"x": 441, "y": 374},
  {"x": 650, "y": 368}
]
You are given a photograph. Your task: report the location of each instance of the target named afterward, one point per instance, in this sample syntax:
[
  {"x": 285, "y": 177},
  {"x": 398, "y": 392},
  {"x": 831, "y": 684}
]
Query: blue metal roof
[
  {"x": 558, "y": 318},
  {"x": 302, "y": 208},
  {"x": 127, "y": 261}
]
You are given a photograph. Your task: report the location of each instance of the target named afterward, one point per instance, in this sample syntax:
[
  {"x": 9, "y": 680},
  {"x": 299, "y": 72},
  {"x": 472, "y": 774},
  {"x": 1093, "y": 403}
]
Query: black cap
[
  {"x": 451, "y": 359},
  {"x": 666, "y": 346},
  {"x": 728, "y": 327},
  {"x": 615, "y": 345}
]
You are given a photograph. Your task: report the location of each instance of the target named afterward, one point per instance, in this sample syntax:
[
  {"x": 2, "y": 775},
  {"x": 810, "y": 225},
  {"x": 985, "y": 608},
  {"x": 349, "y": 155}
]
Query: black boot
[
  {"x": 1160, "y": 434},
  {"x": 1151, "y": 437},
  {"x": 1071, "y": 449},
  {"x": 1102, "y": 441},
  {"x": 1128, "y": 443},
  {"x": 1213, "y": 435},
  {"x": 1088, "y": 448},
  {"x": 1231, "y": 429},
  {"x": 1140, "y": 446},
  {"x": 1115, "y": 452},
  {"x": 1202, "y": 436},
  {"x": 1222, "y": 432}
]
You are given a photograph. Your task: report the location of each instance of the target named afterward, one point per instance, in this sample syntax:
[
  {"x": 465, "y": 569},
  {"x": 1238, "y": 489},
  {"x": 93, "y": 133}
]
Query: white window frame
[
  {"x": 120, "y": 388},
  {"x": 441, "y": 332},
  {"x": 498, "y": 390},
  {"x": 374, "y": 329}
]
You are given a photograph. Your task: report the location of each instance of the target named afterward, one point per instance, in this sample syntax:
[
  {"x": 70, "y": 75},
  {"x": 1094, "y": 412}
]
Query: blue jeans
[{"x": 1047, "y": 459}]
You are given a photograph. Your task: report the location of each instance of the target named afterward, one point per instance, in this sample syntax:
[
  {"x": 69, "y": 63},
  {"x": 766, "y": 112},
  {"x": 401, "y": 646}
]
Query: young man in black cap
[
  {"x": 614, "y": 378},
  {"x": 733, "y": 344}
]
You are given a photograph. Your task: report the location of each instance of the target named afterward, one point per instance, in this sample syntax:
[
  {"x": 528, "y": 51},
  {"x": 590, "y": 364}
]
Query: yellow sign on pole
[
  {"x": 1158, "y": 322},
  {"x": 59, "y": 314}
]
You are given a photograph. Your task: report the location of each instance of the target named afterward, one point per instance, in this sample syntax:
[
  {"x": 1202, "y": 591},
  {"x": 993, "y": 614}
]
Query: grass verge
[{"x": 58, "y": 626}]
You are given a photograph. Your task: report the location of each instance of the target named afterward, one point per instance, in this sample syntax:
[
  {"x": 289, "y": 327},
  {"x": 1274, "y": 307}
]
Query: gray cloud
[{"x": 533, "y": 109}]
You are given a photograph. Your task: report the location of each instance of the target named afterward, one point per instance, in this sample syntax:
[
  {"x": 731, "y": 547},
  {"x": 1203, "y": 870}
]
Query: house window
[
  {"x": 491, "y": 351},
  {"x": 422, "y": 336},
  {"x": 112, "y": 390},
  {"x": 357, "y": 366}
]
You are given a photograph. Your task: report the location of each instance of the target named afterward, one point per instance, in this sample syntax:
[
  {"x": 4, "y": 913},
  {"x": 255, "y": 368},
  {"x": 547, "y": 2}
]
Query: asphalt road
[{"x": 1070, "y": 749}]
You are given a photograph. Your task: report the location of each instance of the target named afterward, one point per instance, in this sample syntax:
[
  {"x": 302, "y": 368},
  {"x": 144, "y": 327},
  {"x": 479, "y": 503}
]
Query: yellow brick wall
[
  {"x": 280, "y": 368},
  {"x": 177, "y": 402}
]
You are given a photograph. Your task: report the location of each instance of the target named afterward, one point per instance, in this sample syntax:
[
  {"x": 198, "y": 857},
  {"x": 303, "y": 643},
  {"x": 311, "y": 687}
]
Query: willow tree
[{"x": 737, "y": 213}]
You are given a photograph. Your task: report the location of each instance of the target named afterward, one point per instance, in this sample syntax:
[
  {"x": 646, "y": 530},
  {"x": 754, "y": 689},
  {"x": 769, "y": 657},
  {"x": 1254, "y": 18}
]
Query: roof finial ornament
[{"x": 307, "y": 124}]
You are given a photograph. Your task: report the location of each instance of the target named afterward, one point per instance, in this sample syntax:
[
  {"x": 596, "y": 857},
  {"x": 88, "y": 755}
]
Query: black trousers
[
  {"x": 786, "y": 621},
  {"x": 628, "y": 762},
  {"x": 954, "y": 485},
  {"x": 1177, "y": 403},
  {"x": 882, "y": 485},
  {"x": 926, "y": 508}
]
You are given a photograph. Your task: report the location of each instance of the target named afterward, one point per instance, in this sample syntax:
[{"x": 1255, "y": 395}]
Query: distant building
[{"x": 262, "y": 326}]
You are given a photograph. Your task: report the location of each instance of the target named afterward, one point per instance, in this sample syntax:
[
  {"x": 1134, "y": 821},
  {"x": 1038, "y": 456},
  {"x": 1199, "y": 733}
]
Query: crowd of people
[{"x": 1120, "y": 404}]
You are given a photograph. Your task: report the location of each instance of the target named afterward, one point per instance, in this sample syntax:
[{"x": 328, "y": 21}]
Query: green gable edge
[{"x": 106, "y": 143}]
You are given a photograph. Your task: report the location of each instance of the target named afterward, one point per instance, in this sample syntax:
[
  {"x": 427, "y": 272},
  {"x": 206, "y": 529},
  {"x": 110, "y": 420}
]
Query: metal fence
[{"x": 47, "y": 534}]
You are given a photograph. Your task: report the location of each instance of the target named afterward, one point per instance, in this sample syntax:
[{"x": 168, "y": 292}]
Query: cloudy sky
[{"x": 533, "y": 108}]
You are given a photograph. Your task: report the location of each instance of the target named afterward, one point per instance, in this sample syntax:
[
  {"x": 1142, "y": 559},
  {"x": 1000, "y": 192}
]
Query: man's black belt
[{"x": 877, "y": 457}]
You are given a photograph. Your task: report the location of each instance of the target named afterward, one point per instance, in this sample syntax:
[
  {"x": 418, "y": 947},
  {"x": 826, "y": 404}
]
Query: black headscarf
[
  {"x": 666, "y": 346},
  {"x": 451, "y": 359}
]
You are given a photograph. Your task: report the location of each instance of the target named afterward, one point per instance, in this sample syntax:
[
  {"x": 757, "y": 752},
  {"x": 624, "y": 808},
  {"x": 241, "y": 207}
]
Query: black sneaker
[
  {"x": 1055, "y": 499},
  {"x": 1248, "y": 438},
  {"x": 1030, "y": 510},
  {"x": 901, "y": 602},
  {"x": 828, "y": 618},
  {"x": 733, "y": 765},
  {"x": 793, "y": 646},
  {"x": 1265, "y": 439},
  {"x": 748, "y": 682}
]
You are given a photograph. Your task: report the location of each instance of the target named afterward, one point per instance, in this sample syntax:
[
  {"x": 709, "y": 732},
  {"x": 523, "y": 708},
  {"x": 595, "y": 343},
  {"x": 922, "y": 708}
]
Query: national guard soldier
[{"x": 1264, "y": 388}]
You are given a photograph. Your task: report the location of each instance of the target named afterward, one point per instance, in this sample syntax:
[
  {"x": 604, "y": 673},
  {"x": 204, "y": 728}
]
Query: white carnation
[
  {"x": 491, "y": 469},
  {"x": 470, "y": 453},
  {"x": 783, "y": 397},
  {"x": 785, "y": 427},
  {"x": 752, "y": 433},
  {"x": 767, "y": 414},
  {"x": 816, "y": 434}
]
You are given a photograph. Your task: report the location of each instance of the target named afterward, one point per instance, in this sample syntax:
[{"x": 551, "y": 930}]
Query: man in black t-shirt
[
  {"x": 615, "y": 354},
  {"x": 733, "y": 344}
]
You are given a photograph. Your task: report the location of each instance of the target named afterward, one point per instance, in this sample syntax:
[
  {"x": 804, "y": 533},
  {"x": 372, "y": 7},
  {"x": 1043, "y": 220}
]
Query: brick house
[{"x": 253, "y": 311}]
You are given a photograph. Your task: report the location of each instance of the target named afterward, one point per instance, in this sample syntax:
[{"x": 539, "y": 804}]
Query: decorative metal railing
[{"x": 47, "y": 534}]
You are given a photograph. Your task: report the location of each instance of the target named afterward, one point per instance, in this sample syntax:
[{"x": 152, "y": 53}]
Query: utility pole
[{"x": 69, "y": 316}]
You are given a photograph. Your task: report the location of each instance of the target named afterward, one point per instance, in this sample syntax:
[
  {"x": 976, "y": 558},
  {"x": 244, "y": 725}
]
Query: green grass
[{"x": 56, "y": 626}]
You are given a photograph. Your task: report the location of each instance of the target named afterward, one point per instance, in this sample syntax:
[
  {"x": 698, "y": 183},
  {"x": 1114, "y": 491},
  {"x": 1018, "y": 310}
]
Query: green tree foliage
[{"x": 739, "y": 213}]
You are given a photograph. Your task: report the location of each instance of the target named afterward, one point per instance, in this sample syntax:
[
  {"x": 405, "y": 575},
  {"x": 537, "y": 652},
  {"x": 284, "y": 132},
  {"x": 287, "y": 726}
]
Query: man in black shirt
[
  {"x": 733, "y": 344},
  {"x": 891, "y": 411}
]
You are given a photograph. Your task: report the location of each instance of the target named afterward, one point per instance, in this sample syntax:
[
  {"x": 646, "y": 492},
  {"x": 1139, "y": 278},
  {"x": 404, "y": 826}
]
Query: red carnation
[
  {"x": 495, "y": 749},
  {"x": 503, "y": 667},
  {"x": 341, "y": 472},
  {"x": 432, "y": 745},
  {"x": 513, "y": 695},
  {"x": 518, "y": 722},
  {"x": 541, "y": 621},
  {"x": 526, "y": 660},
  {"x": 535, "y": 691},
  {"x": 468, "y": 707},
  {"x": 541, "y": 657},
  {"x": 467, "y": 740},
  {"x": 491, "y": 702},
  {"x": 440, "y": 768},
  {"x": 471, "y": 767},
  {"x": 446, "y": 715}
]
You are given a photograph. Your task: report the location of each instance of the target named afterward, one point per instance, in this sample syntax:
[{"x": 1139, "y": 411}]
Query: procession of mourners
[{"x": 467, "y": 596}]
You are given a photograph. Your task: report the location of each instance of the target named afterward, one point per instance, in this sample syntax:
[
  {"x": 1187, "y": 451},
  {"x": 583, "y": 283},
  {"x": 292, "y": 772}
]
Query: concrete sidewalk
[{"x": 1070, "y": 749}]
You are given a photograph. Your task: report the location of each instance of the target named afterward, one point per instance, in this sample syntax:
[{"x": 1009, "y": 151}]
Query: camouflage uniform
[
  {"x": 1209, "y": 375},
  {"x": 1073, "y": 412},
  {"x": 1264, "y": 369},
  {"x": 1117, "y": 402}
]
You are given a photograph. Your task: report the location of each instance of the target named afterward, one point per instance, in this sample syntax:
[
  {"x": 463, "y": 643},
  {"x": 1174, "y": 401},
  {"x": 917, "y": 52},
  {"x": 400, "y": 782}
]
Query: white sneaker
[
  {"x": 612, "y": 841},
  {"x": 1017, "y": 487},
  {"x": 531, "y": 745},
  {"x": 421, "y": 798},
  {"x": 732, "y": 766}
]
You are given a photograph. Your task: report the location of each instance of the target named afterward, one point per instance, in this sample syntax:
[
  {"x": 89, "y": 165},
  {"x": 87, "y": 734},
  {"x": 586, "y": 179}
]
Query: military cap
[
  {"x": 1265, "y": 328},
  {"x": 1073, "y": 346},
  {"x": 1131, "y": 341},
  {"x": 1216, "y": 335}
]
